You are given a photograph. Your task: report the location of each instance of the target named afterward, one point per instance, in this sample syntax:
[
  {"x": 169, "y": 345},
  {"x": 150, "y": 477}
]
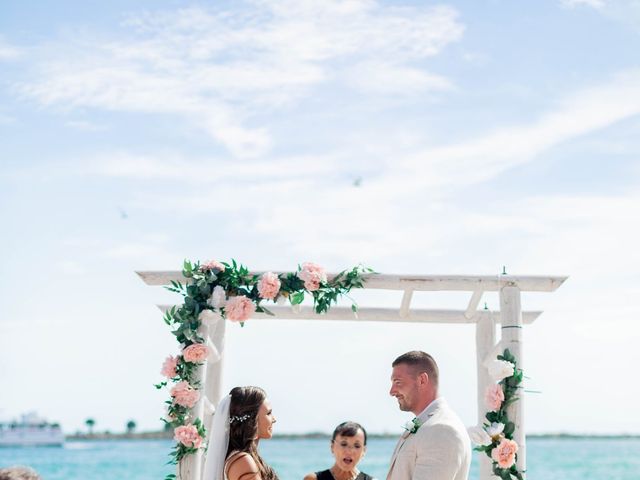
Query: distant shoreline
[{"x": 163, "y": 435}]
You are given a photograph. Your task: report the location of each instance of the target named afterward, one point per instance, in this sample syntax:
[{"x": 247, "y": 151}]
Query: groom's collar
[{"x": 431, "y": 409}]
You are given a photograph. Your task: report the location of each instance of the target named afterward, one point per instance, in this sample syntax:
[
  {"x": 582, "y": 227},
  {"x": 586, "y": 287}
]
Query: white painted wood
[
  {"x": 190, "y": 467},
  {"x": 374, "y": 315},
  {"x": 468, "y": 283},
  {"x": 485, "y": 341},
  {"x": 472, "y": 308},
  {"x": 511, "y": 313},
  {"x": 209, "y": 408},
  {"x": 406, "y": 303}
]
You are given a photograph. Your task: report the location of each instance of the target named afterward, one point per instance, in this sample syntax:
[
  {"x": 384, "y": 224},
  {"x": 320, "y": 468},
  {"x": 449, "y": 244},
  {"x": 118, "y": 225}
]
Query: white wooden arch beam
[{"x": 379, "y": 315}]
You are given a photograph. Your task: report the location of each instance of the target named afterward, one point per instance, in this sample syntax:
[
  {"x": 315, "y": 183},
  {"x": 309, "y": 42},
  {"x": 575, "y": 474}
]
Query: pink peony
[
  {"x": 505, "y": 453},
  {"x": 239, "y": 309},
  {"x": 184, "y": 394},
  {"x": 212, "y": 265},
  {"x": 195, "y": 353},
  {"x": 188, "y": 436},
  {"x": 269, "y": 286},
  {"x": 312, "y": 275},
  {"x": 169, "y": 367},
  {"x": 493, "y": 397}
]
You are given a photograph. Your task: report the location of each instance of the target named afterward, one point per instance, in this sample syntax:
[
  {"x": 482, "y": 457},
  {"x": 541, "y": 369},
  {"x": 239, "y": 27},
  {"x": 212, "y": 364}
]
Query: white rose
[
  {"x": 495, "y": 429},
  {"x": 409, "y": 425},
  {"x": 218, "y": 298},
  {"x": 500, "y": 369},
  {"x": 479, "y": 436}
]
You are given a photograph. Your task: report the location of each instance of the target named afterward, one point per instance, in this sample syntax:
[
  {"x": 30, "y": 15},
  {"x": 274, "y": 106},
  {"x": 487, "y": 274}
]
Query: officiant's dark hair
[
  {"x": 349, "y": 429},
  {"x": 422, "y": 362},
  {"x": 243, "y": 430}
]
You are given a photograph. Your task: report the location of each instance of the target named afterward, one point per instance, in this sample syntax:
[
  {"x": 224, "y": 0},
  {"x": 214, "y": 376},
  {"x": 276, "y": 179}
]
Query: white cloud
[
  {"x": 71, "y": 267},
  {"x": 205, "y": 171},
  {"x": 482, "y": 158},
  {"x": 389, "y": 78},
  {"x": 9, "y": 52},
  {"x": 597, "y": 4},
  {"x": 386, "y": 201},
  {"x": 218, "y": 69},
  {"x": 84, "y": 125}
]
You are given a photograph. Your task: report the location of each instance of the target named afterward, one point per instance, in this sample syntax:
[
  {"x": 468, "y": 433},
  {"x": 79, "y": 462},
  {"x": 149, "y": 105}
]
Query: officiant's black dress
[{"x": 326, "y": 475}]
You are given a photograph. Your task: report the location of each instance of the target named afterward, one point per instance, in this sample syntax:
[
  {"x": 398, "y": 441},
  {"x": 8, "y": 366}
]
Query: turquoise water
[{"x": 548, "y": 459}]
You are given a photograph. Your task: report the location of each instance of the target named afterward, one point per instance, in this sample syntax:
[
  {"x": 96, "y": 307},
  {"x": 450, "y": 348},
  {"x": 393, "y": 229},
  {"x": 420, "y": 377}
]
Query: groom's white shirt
[{"x": 439, "y": 450}]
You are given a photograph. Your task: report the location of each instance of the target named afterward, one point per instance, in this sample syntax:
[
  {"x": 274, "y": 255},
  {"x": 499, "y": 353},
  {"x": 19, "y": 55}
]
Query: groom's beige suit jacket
[{"x": 439, "y": 450}]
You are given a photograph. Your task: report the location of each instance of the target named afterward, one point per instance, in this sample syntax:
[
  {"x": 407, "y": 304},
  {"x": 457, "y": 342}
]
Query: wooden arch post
[{"x": 511, "y": 318}]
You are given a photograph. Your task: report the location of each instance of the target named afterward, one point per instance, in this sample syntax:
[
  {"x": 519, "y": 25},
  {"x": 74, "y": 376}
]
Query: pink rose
[
  {"x": 188, "y": 436},
  {"x": 493, "y": 397},
  {"x": 505, "y": 453},
  {"x": 312, "y": 275},
  {"x": 184, "y": 394},
  {"x": 212, "y": 265},
  {"x": 195, "y": 353},
  {"x": 269, "y": 286},
  {"x": 169, "y": 367},
  {"x": 239, "y": 309}
]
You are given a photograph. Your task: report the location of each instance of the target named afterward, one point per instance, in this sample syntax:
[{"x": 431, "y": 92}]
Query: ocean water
[{"x": 548, "y": 459}]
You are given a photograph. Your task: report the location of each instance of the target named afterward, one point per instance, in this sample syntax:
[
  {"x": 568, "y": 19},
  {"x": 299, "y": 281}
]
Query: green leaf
[
  {"x": 509, "y": 428},
  {"x": 296, "y": 298},
  {"x": 267, "y": 311}
]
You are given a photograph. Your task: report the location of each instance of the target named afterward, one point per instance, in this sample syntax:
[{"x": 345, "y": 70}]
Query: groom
[{"x": 435, "y": 445}]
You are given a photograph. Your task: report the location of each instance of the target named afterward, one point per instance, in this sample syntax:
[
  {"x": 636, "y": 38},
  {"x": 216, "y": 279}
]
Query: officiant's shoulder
[{"x": 242, "y": 466}]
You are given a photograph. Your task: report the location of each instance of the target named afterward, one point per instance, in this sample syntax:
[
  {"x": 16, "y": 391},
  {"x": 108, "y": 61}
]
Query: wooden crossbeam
[
  {"x": 380, "y": 315},
  {"x": 466, "y": 283},
  {"x": 406, "y": 303},
  {"x": 472, "y": 308}
]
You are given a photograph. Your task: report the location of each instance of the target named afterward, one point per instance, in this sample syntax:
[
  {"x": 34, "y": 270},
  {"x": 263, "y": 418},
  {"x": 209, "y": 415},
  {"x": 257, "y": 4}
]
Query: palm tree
[
  {"x": 131, "y": 426},
  {"x": 90, "y": 422}
]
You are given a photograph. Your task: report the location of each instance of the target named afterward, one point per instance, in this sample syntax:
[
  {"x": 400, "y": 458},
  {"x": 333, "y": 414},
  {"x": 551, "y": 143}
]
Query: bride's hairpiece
[{"x": 238, "y": 418}]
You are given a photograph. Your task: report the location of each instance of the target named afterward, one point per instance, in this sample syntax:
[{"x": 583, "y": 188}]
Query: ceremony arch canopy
[{"x": 510, "y": 318}]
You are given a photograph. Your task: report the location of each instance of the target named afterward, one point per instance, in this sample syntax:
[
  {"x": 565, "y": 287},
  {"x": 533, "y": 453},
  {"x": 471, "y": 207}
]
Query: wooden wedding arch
[{"x": 510, "y": 317}]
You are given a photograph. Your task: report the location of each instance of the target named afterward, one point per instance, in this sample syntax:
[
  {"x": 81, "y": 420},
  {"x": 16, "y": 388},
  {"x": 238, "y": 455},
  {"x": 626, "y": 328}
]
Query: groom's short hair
[
  {"x": 420, "y": 362},
  {"x": 18, "y": 473}
]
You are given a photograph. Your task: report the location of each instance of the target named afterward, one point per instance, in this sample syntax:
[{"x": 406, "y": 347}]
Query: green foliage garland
[
  {"x": 236, "y": 280},
  {"x": 510, "y": 386}
]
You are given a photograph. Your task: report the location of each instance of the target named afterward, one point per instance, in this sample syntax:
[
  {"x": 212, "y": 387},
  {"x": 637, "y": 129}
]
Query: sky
[{"x": 410, "y": 136}]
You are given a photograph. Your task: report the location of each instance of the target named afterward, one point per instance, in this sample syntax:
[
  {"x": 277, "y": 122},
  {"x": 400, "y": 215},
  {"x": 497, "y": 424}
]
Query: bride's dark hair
[{"x": 243, "y": 426}]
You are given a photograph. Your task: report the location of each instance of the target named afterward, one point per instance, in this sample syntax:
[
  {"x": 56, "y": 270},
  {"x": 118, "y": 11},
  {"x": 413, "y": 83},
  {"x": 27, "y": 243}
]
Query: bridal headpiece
[{"x": 238, "y": 418}]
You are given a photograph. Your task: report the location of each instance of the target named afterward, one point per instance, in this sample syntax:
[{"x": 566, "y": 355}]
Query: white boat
[{"x": 31, "y": 431}]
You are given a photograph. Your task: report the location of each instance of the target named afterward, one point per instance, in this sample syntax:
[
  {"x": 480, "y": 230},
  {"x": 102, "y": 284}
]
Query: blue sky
[{"x": 137, "y": 134}]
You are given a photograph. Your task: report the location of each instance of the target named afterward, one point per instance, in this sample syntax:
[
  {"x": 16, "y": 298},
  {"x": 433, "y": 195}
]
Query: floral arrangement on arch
[
  {"x": 230, "y": 291},
  {"x": 495, "y": 437}
]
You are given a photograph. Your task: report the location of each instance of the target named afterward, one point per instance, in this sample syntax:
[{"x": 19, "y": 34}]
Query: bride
[{"x": 242, "y": 418}]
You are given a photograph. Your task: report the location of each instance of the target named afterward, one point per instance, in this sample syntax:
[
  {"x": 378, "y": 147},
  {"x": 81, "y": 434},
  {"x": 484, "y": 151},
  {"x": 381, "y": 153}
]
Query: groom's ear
[{"x": 423, "y": 378}]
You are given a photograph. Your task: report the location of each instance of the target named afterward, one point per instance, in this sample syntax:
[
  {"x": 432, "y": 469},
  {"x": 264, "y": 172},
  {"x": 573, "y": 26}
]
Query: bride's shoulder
[{"x": 242, "y": 466}]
